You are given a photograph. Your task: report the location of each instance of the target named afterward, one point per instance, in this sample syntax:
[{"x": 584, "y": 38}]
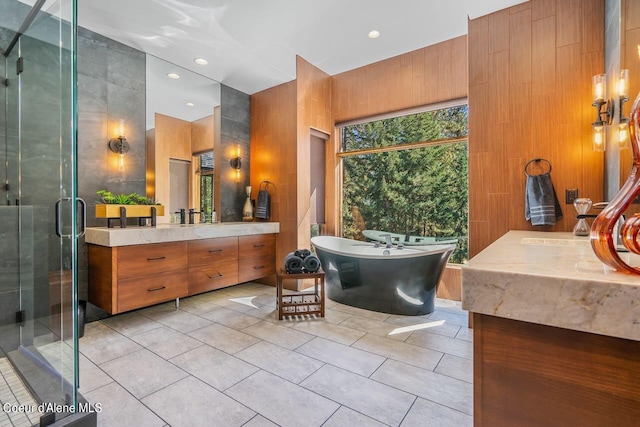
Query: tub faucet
[{"x": 388, "y": 239}]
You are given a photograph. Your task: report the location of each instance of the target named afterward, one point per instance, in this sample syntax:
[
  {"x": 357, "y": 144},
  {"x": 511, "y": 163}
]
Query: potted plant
[{"x": 135, "y": 205}]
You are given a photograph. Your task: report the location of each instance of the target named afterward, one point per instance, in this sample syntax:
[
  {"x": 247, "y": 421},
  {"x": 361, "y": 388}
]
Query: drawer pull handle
[
  {"x": 156, "y": 289},
  {"x": 214, "y": 250},
  {"x": 214, "y": 277},
  {"x": 258, "y": 267},
  {"x": 260, "y": 245},
  {"x": 156, "y": 258}
]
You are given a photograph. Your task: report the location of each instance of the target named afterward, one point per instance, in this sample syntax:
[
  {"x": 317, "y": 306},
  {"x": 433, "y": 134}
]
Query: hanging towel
[
  {"x": 262, "y": 207},
  {"x": 541, "y": 203}
]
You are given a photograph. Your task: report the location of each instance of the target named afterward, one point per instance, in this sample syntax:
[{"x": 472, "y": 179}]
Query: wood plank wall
[
  {"x": 530, "y": 69},
  {"x": 314, "y": 111},
  {"x": 274, "y": 158},
  {"x": 630, "y": 59}
]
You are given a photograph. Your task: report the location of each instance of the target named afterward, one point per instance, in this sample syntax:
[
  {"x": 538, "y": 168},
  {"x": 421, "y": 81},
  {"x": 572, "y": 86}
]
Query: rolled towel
[
  {"x": 302, "y": 253},
  {"x": 293, "y": 263},
  {"x": 311, "y": 263}
]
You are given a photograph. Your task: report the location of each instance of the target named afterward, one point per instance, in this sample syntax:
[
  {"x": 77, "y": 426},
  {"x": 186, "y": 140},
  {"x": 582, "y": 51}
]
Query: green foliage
[
  {"x": 109, "y": 198},
  {"x": 420, "y": 191}
]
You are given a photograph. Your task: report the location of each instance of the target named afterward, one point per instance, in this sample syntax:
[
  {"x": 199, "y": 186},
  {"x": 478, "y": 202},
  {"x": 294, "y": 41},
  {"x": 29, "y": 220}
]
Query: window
[
  {"x": 204, "y": 184},
  {"x": 407, "y": 175}
]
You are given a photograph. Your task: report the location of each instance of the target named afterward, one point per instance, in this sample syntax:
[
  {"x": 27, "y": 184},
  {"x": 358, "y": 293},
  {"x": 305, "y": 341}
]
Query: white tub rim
[{"x": 320, "y": 242}]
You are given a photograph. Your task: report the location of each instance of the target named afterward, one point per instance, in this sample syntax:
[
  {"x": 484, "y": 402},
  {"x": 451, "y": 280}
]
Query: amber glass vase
[{"x": 603, "y": 239}]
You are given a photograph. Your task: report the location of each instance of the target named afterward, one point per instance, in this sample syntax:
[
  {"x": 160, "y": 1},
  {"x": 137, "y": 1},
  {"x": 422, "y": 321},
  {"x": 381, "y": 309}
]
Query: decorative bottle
[{"x": 247, "y": 210}]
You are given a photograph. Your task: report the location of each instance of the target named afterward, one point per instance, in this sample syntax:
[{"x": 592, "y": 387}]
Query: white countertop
[
  {"x": 554, "y": 279},
  {"x": 163, "y": 233}
]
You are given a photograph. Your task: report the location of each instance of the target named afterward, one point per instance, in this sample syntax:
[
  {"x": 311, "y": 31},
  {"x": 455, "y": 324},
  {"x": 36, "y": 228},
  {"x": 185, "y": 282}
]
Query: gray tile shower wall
[
  {"x": 111, "y": 86},
  {"x": 234, "y": 130}
]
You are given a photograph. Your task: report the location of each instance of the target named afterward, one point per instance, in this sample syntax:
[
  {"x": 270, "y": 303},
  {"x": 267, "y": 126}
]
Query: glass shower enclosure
[{"x": 41, "y": 217}]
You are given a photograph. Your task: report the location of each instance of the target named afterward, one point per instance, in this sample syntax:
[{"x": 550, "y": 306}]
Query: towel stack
[{"x": 301, "y": 261}]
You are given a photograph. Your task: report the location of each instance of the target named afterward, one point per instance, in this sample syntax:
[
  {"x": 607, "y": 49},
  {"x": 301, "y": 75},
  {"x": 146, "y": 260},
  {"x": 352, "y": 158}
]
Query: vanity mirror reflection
[{"x": 181, "y": 129}]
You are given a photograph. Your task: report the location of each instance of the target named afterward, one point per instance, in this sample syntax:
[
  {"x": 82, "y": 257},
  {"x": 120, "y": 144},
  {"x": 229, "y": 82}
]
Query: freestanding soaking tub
[{"x": 390, "y": 280}]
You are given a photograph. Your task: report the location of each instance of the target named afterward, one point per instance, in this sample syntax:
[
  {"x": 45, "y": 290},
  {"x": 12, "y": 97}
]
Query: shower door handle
[
  {"x": 59, "y": 217},
  {"x": 83, "y": 214}
]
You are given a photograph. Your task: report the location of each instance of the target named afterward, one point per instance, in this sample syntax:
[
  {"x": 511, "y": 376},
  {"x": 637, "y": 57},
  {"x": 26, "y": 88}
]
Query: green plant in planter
[{"x": 109, "y": 198}]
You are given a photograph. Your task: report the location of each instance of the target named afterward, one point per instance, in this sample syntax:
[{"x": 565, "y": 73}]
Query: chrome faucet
[{"x": 388, "y": 239}]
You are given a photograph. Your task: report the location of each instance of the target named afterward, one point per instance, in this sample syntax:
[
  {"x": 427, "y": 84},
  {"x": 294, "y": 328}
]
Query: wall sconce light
[
  {"x": 120, "y": 146},
  {"x": 605, "y": 110},
  {"x": 236, "y": 163}
]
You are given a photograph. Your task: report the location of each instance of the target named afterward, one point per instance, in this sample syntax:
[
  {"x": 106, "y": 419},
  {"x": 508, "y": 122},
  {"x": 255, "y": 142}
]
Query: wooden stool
[{"x": 300, "y": 302}]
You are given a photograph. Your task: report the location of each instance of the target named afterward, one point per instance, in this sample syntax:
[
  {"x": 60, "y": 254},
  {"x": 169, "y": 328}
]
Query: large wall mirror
[{"x": 181, "y": 109}]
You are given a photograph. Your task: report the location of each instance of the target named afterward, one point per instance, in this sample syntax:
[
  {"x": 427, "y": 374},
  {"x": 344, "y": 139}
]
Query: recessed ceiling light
[
  {"x": 201, "y": 61},
  {"x": 374, "y": 34},
  {"x": 174, "y": 76},
  {"x": 190, "y": 104}
]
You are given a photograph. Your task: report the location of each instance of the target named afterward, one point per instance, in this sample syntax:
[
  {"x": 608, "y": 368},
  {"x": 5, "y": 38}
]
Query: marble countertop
[
  {"x": 163, "y": 233},
  {"x": 554, "y": 279}
]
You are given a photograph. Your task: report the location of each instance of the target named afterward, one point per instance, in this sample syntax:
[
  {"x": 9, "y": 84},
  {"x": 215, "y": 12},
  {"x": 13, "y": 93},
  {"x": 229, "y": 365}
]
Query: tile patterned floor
[
  {"x": 13, "y": 392},
  {"x": 223, "y": 359}
]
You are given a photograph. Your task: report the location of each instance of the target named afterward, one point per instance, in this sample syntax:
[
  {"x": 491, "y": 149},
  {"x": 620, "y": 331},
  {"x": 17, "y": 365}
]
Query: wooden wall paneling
[
  {"x": 150, "y": 178},
  {"x": 569, "y": 22},
  {"x": 450, "y": 286},
  {"x": 374, "y": 88},
  {"x": 520, "y": 54},
  {"x": 499, "y": 34},
  {"x": 478, "y": 42},
  {"x": 542, "y": 9},
  {"x": 202, "y": 135},
  {"x": 541, "y": 112},
  {"x": 631, "y": 14},
  {"x": 274, "y": 158}
]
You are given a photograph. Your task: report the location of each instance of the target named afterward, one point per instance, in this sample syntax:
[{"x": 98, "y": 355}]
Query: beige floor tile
[
  {"x": 345, "y": 357},
  {"x": 214, "y": 367},
  {"x": 287, "y": 364},
  {"x": 282, "y": 402},
  {"x": 195, "y": 306},
  {"x": 348, "y": 417},
  {"x": 101, "y": 346},
  {"x": 166, "y": 342},
  {"x": 376, "y": 400},
  {"x": 423, "y": 323},
  {"x": 276, "y": 334},
  {"x": 441, "y": 343},
  {"x": 459, "y": 319},
  {"x": 324, "y": 329},
  {"x": 120, "y": 408},
  {"x": 375, "y": 315},
  {"x": 465, "y": 334},
  {"x": 456, "y": 367},
  {"x": 260, "y": 421},
  {"x": 182, "y": 404},
  {"x": 142, "y": 372},
  {"x": 437, "y": 416},
  {"x": 376, "y": 327},
  {"x": 223, "y": 338},
  {"x": 429, "y": 385},
  {"x": 230, "y": 318},
  {"x": 179, "y": 320},
  {"x": 130, "y": 324},
  {"x": 91, "y": 376},
  {"x": 411, "y": 354}
]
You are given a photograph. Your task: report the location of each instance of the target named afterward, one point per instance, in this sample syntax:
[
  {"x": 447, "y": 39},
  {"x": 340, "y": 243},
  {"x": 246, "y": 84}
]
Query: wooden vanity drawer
[
  {"x": 256, "y": 246},
  {"x": 148, "y": 290},
  {"x": 210, "y": 251},
  {"x": 144, "y": 260},
  {"x": 256, "y": 267},
  {"x": 210, "y": 277}
]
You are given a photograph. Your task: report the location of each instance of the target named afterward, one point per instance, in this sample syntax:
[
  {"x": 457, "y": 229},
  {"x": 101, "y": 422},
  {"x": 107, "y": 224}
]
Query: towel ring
[{"x": 536, "y": 161}]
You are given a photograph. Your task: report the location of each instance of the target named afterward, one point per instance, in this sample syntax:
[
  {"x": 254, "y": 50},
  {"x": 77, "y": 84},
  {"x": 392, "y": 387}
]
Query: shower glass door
[{"x": 41, "y": 178}]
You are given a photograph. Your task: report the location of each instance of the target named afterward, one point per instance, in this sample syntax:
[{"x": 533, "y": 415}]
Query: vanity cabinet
[
  {"x": 213, "y": 264},
  {"x": 123, "y": 278},
  {"x": 129, "y": 277},
  {"x": 257, "y": 257}
]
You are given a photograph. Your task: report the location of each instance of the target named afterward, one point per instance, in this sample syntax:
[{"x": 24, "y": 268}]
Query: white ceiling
[{"x": 251, "y": 44}]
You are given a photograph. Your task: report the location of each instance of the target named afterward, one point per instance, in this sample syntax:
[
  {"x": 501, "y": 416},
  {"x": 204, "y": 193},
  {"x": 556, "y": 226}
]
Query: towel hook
[{"x": 537, "y": 161}]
